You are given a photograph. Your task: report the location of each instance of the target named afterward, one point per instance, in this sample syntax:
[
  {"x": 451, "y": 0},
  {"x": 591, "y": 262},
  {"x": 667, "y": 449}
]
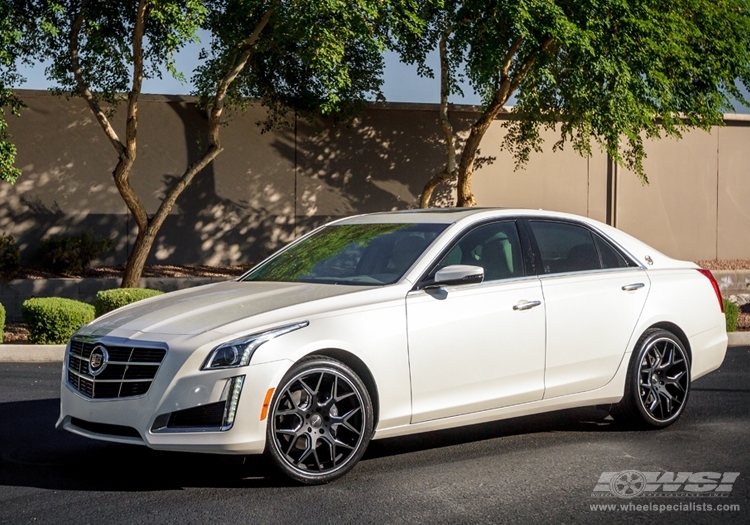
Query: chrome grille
[{"x": 129, "y": 371}]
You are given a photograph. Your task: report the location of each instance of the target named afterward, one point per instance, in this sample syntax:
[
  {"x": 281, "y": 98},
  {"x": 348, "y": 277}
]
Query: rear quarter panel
[{"x": 685, "y": 298}]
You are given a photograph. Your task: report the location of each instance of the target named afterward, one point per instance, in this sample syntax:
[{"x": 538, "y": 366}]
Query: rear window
[{"x": 566, "y": 247}]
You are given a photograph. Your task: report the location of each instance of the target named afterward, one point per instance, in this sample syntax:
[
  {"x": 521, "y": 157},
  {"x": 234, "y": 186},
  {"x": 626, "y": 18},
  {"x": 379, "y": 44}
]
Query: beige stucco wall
[
  {"x": 733, "y": 227},
  {"x": 266, "y": 188},
  {"x": 676, "y": 211}
]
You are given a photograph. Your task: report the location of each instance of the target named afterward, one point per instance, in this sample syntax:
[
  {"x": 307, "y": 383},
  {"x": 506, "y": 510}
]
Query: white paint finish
[
  {"x": 590, "y": 319},
  {"x": 683, "y": 297},
  {"x": 469, "y": 349},
  {"x": 473, "y": 358},
  {"x": 610, "y": 393}
]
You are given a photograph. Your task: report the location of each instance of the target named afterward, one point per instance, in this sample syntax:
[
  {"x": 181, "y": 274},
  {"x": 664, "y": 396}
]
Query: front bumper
[{"x": 178, "y": 385}]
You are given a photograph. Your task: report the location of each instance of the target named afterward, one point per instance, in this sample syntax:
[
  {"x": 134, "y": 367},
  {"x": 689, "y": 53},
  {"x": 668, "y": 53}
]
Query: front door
[{"x": 477, "y": 347}]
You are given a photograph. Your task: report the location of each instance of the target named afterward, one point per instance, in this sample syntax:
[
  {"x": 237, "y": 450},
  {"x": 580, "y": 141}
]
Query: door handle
[
  {"x": 526, "y": 305},
  {"x": 632, "y": 287}
]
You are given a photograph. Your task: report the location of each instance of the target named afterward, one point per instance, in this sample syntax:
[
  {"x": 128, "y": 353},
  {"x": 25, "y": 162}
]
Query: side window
[
  {"x": 611, "y": 258},
  {"x": 495, "y": 247},
  {"x": 565, "y": 247}
]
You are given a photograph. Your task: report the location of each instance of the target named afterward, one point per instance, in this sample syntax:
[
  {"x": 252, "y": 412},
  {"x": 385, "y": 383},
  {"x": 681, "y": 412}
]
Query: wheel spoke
[
  {"x": 667, "y": 406},
  {"x": 317, "y": 460},
  {"x": 344, "y": 420},
  {"x": 292, "y": 442},
  {"x": 342, "y": 444},
  {"x": 307, "y": 451}
]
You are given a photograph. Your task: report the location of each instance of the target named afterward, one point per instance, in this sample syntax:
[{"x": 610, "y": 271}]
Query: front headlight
[{"x": 233, "y": 354}]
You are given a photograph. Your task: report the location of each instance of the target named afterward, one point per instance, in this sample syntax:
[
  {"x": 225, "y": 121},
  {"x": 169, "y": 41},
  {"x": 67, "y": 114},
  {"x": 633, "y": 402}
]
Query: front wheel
[
  {"x": 320, "y": 421},
  {"x": 658, "y": 381}
]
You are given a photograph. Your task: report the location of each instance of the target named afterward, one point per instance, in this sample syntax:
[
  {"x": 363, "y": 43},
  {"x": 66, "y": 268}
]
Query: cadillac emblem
[{"x": 98, "y": 360}]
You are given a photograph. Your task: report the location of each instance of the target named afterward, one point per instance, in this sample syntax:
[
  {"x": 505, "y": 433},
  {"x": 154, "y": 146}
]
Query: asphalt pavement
[{"x": 532, "y": 470}]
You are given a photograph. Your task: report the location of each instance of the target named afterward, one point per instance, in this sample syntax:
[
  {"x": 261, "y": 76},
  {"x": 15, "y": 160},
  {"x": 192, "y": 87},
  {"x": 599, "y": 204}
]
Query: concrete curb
[
  {"x": 31, "y": 353},
  {"x": 52, "y": 353},
  {"x": 739, "y": 338}
]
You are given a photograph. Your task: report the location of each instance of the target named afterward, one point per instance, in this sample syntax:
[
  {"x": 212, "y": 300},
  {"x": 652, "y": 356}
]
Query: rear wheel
[
  {"x": 658, "y": 381},
  {"x": 320, "y": 421}
]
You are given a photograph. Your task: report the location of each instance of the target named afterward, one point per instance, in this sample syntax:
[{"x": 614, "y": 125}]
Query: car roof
[{"x": 451, "y": 215}]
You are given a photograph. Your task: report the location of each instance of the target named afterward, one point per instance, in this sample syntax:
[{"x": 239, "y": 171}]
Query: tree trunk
[
  {"x": 148, "y": 228},
  {"x": 469, "y": 152},
  {"x": 137, "y": 257},
  {"x": 450, "y": 141},
  {"x": 505, "y": 89},
  {"x": 429, "y": 188}
]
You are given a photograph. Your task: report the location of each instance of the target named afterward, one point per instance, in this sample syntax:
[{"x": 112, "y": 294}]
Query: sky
[{"x": 401, "y": 81}]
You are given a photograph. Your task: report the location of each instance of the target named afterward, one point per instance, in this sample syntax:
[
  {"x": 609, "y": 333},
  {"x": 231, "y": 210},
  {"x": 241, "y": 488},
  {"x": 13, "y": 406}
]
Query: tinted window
[
  {"x": 365, "y": 254},
  {"x": 495, "y": 247},
  {"x": 565, "y": 247},
  {"x": 611, "y": 258}
]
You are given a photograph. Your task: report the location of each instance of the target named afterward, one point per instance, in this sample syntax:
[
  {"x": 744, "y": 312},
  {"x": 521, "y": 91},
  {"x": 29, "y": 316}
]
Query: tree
[
  {"x": 309, "y": 55},
  {"x": 11, "y": 51},
  {"x": 614, "y": 72}
]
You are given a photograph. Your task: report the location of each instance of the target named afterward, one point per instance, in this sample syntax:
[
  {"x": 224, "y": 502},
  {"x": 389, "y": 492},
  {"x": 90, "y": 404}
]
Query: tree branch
[
  {"x": 508, "y": 60},
  {"x": 450, "y": 141},
  {"x": 244, "y": 51},
  {"x": 528, "y": 64},
  {"x": 132, "y": 121},
  {"x": 505, "y": 90},
  {"x": 214, "y": 123},
  {"x": 82, "y": 87}
]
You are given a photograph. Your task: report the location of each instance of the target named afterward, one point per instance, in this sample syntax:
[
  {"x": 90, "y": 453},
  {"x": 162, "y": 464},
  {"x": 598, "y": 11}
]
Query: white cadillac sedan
[{"x": 389, "y": 324}]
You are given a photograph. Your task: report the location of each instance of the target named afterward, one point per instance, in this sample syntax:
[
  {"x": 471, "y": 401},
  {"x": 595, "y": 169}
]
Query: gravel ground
[
  {"x": 726, "y": 264},
  {"x": 148, "y": 271},
  {"x": 15, "y": 334}
]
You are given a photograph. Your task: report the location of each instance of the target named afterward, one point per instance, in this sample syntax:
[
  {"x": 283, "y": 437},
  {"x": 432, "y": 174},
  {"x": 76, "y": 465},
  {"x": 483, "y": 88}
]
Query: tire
[
  {"x": 320, "y": 421},
  {"x": 657, "y": 386}
]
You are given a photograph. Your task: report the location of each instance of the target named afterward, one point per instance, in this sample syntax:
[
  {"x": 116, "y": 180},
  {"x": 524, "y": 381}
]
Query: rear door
[{"x": 594, "y": 295}]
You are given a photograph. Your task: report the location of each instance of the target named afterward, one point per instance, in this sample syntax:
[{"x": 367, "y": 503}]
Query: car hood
[{"x": 212, "y": 306}]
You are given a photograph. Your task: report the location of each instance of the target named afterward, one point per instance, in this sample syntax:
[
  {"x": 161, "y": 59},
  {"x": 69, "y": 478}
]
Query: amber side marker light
[
  {"x": 710, "y": 277},
  {"x": 266, "y": 403}
]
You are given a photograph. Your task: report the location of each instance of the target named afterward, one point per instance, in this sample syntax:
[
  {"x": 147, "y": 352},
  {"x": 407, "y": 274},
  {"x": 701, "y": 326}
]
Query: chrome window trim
[{"x": 592, "y": 229}]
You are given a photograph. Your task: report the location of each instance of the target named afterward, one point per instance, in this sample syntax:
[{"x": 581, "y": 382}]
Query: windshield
[{"x": 361, "y": 254}]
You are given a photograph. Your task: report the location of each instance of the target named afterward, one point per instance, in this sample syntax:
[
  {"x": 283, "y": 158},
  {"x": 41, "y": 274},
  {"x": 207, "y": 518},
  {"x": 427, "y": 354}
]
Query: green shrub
[
  {"x": 108, "y": 300},
  {"x": 71, "y": 253},
  {"x": 732, "y": 313},
  {"x": 10, "y": 258},
  {"x": 2, "y": 322},
  {"x": 52, "y": 320}
]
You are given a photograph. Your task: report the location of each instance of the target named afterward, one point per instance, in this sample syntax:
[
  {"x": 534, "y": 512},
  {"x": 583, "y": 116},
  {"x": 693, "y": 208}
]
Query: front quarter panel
[{"x": 375, "y": 335}]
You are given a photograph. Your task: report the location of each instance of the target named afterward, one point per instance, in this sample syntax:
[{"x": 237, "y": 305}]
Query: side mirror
[{"x": 459, "y": 274}]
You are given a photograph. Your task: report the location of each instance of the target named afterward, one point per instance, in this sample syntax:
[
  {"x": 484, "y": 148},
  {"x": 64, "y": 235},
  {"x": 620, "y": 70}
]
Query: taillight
[{"x": 710, "y": 277}]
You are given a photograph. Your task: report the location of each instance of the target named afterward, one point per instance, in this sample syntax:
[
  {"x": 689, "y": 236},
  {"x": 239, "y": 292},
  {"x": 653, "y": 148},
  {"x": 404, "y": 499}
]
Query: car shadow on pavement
[
  {"x": 34, "y": 454},
  {"x": 589, "y": 419}
]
